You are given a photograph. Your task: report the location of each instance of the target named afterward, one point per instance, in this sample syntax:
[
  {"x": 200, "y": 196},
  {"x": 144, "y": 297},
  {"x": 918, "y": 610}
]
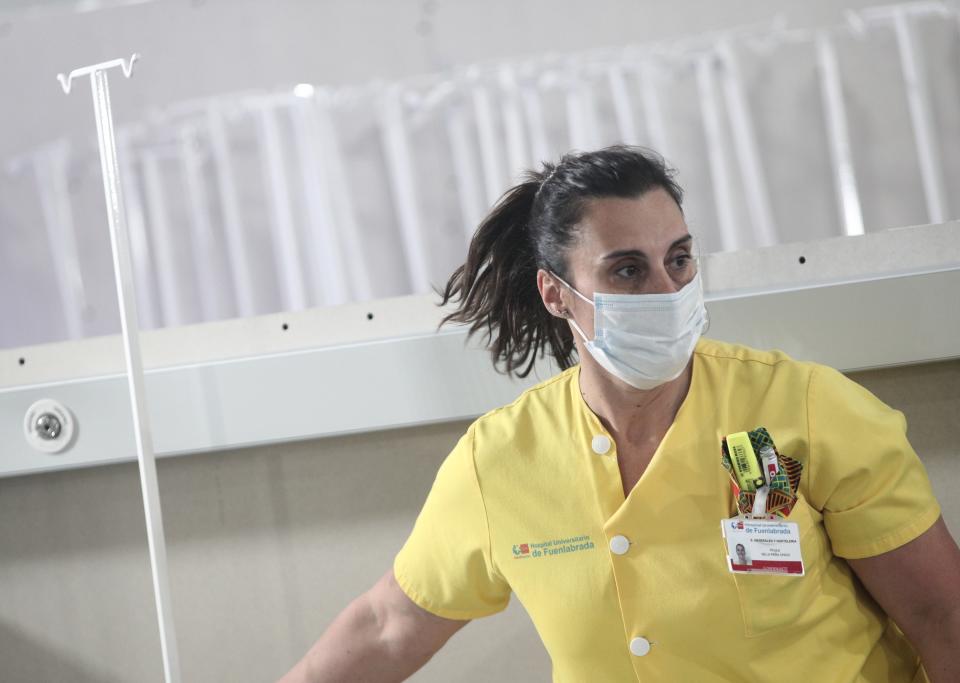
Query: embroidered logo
[{"x": 557, "y": 546}]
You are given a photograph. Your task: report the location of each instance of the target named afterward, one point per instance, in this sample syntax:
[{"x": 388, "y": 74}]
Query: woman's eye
[
  {"x": 682, "y": 261},
  {"x": 627, "y": 271}
]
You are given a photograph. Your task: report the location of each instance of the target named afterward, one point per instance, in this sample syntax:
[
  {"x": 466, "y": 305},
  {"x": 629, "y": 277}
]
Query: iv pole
[{"x": 123, "y": 272}]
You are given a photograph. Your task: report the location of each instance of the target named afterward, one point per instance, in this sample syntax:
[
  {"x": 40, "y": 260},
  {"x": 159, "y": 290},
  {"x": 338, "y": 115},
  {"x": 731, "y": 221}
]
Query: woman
[{"x": 596, "y": 497}]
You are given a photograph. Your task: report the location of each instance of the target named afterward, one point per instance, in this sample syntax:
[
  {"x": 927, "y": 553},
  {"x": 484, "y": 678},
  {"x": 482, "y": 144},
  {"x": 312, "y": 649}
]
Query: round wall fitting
[{"x": 49, "y": 426}]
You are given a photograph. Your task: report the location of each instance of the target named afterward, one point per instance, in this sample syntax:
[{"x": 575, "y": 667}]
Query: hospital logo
[{"x": 557, "y": 546}]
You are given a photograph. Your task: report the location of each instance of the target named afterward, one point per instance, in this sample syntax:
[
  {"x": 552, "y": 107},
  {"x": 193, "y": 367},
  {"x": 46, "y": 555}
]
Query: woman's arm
[
  {"x": 918, "y": 585},
  {"x": 382, "y": 636}
]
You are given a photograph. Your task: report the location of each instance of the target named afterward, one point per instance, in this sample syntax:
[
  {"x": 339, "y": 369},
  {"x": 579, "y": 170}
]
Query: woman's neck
[{"x": 629, "y": 413}]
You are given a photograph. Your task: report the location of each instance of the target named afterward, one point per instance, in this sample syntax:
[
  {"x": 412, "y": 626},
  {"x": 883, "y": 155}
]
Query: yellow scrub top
[{"x": 530, "y": 501}]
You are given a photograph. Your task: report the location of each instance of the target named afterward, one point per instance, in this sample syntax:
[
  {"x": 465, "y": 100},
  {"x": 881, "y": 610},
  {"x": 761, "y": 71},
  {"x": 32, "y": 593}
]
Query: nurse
[{"x": 596, "y": 496}]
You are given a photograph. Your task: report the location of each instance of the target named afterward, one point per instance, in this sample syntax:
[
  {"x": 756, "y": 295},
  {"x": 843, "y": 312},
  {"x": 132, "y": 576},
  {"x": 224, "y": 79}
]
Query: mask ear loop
[{"x": 572, "y": 320}]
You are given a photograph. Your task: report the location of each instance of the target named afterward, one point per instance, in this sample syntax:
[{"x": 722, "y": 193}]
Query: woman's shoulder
[
  {"x": 730, "y": 357},
  {"x": 716, "y": 350},
  {"x": 546, "y": 403},
  {"x": 545, "y": 393}
]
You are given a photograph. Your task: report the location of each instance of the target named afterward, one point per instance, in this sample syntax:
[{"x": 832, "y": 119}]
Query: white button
[
  {"x": 639, "y": 646},
  {"x": 601, "y": 444},
  {"x": 619, "y": 545}
]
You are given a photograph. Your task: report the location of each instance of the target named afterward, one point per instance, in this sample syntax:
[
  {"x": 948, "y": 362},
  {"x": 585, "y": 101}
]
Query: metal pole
[
  {"x": 168, "y": 280},
  {"x": 50, "y": 174},
  {"x": 923, "y": 126},
  {"x": 844, "y": 178},
  {"x": 652, "y": 109},
  {"x": 716, "y": 152},
  {"x": 621, "y": 105},
  {"x": 489, "y": 144},
  {"x": 287, "y": 243},
  {"x": 517, "y": 147},
  {"x": 581, "y": 118},
  {"x": 748, "y": 151},
  {"x": 536, "y": 123},
  {"x": 139, "y": 243},
  {"x": 464, "y": 167},
  {"x": 240, "y": 270},
  {"x": 348, "y": 230},
  {"x": 400, "y": 165},
  {"x": 123, "y": 273},
  {"x": 204, "y": 248},
  {"x": 326, "y": 263}
]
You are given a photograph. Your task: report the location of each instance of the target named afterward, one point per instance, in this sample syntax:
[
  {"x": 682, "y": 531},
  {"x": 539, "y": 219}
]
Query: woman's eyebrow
[{"x": 636, "y": 252}]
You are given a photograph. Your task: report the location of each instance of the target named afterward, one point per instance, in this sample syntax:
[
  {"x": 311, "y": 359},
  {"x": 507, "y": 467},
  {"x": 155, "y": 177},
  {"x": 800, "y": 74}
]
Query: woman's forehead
[{"x": 650, "y": 223}]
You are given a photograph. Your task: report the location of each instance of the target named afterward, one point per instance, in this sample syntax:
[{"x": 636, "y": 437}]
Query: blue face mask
[{"x": 645, "y": 339}]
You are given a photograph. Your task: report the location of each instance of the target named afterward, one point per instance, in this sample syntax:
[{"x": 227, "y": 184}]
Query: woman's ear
[{"x": 551, "y": 292}]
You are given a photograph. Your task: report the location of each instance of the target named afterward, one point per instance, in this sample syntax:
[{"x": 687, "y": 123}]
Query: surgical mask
[{"x": 645, "y": 339}]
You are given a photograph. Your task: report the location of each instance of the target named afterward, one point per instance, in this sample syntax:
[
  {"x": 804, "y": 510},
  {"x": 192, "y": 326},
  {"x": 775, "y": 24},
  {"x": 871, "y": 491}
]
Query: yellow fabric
[{"x": 524, "y": 504}]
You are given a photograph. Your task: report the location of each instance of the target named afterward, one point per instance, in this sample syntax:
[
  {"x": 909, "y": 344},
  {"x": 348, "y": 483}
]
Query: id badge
[{"x": 762, "y": 546}]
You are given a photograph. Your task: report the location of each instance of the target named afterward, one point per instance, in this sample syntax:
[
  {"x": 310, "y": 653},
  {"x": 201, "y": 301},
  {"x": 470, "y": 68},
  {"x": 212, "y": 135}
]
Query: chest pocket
[{"x": 770, "y": 602}]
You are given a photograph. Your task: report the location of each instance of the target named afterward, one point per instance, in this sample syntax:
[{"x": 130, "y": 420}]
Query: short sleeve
[
  {"x": 445, "y": 566},
  {"x": 864, "y": 475}
]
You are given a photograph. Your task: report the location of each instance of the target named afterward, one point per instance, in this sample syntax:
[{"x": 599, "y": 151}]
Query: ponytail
[{"x": 496, "y": 288}]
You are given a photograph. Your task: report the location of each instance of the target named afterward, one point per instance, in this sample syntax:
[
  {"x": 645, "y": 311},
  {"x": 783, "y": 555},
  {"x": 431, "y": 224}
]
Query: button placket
[{"x": 605, "y": 470}]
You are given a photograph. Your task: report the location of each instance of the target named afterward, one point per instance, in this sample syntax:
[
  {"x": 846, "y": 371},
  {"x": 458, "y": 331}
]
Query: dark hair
[{"x": 532, "y": 226}]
